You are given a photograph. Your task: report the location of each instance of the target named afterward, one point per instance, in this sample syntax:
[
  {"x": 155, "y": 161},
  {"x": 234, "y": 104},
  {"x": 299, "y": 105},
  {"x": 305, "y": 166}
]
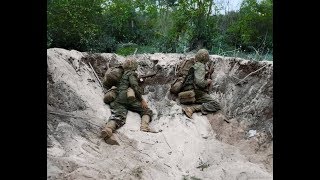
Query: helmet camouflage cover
[
  {"x": 202, "y": 56},
  {"x": 130, "y": 64}
]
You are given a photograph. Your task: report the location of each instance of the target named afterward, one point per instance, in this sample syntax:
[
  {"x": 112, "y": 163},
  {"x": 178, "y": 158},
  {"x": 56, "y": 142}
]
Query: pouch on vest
[
  {"x": 177, "y": 85},
  {"x": 187, "y": 97},
  {"x": 110, "y": 95},
  {"x": 130, "y": 94},
  {"x": 112, "y": 76}
]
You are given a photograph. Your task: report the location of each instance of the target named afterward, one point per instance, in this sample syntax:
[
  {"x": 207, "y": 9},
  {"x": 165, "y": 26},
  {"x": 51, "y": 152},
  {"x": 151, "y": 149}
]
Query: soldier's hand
[
  {"x": 209, "y": 81},
  {"x": 144, "y": 104}
]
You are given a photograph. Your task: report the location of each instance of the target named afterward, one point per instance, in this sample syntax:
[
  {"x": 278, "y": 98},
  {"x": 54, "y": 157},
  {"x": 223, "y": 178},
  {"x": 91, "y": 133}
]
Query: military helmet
[
  {"x": 130, "y": 64},
  {"x": 202, "y": 56}
]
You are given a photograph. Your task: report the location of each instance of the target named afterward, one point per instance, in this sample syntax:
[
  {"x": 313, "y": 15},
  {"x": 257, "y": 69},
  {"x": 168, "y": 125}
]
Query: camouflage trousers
[
  {"x": 208, "y": 104},
  {"x": 119, "y": 111}
]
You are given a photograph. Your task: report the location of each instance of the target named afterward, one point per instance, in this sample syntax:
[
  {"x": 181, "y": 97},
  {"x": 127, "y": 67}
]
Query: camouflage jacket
[
  {"x": 195, "y": 78},
  {"x": 199, "y": 75},
  {"x": 129, "y": 79}
]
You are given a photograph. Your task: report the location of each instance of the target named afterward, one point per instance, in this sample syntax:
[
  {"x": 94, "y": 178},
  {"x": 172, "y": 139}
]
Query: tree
[
  {"x": 254, "y": 29},
  {"x": 74, "y": 23}
]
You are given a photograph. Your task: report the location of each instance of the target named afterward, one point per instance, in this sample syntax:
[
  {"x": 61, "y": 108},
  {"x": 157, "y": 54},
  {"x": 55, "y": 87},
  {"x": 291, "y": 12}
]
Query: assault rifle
[
  {"x": 210, "y": 70},
  {"x": 208, "y": 75},
  {"x": 143, "y": 77}
]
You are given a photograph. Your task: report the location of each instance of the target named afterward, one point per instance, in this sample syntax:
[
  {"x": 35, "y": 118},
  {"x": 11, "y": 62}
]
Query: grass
[
  {"x": 246, "y": 55},
  {"x": 125, "y": 51},
  {"x": 131, "y": 48}
]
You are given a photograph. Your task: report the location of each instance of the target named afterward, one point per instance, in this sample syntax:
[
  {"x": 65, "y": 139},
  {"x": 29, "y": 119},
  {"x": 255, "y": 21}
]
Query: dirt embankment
[{"x": 203, "y": 148}]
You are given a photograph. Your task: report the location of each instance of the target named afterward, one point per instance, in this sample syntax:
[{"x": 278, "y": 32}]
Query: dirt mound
[{"x": 203, "y": 148}]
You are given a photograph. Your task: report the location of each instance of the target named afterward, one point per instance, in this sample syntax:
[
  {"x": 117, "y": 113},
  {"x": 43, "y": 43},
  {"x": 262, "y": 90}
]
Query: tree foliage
[
  {"x": 254, "y": 27},
  {"x": 164, "y": 25},
  {"x": 74, "y": 23}
]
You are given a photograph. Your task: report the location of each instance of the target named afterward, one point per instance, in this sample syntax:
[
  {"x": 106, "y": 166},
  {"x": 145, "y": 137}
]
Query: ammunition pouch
[
  {"x": 110, "y": 95},
  {"x": 187, "y": 97},
  {"x": 177, "y": 85},
  {"x": 130, "y": 94}
]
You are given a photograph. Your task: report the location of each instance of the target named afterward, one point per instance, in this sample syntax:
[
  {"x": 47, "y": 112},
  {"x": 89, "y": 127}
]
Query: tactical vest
[{"x": 183, "y": 70}]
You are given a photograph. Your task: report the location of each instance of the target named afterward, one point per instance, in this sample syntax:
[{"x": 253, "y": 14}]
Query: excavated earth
[{"x": 205, "y": 147}]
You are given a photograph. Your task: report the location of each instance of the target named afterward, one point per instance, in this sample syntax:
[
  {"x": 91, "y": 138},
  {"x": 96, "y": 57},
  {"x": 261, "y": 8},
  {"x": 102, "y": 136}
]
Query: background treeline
[{"x": 149, "y": 26}]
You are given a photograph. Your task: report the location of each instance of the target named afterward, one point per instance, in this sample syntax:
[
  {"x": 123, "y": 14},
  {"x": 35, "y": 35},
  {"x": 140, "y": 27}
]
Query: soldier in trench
[
  {"x": 194, "y": 90},
  {"x": 129, "y": 97}
]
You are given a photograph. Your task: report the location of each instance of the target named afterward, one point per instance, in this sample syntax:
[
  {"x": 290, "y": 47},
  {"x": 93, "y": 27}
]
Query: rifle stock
[{"x": 147, "y": 76}]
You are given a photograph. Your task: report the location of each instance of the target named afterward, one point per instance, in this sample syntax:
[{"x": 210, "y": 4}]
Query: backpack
[
  {"x": 188, "y": 81},
  {"x": 183, "y": 69},
  {"x": 112, "y": 76}
]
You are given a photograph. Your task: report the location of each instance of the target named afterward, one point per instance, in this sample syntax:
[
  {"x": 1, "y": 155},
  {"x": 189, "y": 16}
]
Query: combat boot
[
  {"x": 189, "y": 110},
  {"x": 107, "y": 133},
  {"x": 145, "y": 124}
]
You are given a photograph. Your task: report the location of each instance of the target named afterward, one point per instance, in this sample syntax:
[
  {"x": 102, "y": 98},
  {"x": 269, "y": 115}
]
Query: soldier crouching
[{"x": 194, "y": 88}]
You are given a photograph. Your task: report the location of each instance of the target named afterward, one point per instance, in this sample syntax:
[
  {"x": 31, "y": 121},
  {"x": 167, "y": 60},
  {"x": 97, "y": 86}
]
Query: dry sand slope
[{"x": 203, "y": 148}]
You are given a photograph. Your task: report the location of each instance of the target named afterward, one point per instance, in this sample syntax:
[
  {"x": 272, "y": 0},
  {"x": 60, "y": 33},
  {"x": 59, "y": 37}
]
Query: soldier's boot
[
  {"x": 189, "y": 110},
  {"x": 145, "y": 119},
  {"x": 107, "y": 133}
]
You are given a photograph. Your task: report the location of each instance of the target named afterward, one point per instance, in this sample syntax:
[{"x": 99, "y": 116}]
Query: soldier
[
  {"x": 195, "y": 86},
  {"x": 129, "y": 97}
]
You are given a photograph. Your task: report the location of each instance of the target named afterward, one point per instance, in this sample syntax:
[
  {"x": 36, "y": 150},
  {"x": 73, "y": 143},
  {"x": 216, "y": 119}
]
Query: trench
[
  {"x": 248, "y": 105},
  {"x": 76, "y": 151}
]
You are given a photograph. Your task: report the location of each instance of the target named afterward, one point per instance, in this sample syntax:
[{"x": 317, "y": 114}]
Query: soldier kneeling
[{"x": 193, "y": 90}]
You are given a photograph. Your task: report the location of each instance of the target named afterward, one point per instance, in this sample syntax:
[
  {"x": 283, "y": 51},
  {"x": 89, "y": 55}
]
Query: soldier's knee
[{"x": 211, "y": 106}]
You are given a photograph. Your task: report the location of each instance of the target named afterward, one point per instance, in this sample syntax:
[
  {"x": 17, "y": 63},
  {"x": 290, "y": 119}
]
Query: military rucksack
[
  {"x": 182, "y": 69},
  {"x": 187, "y": 94},
  {"x": 188, "y": 82},
  {"x": 112, "y": 76}
]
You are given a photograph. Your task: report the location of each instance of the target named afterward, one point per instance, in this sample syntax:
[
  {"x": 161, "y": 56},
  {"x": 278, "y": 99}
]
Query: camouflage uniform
[
  {"x": 121, "y": 105},
  {"x": 127, "y": 100},
  {"x": 196, "y": 81}
]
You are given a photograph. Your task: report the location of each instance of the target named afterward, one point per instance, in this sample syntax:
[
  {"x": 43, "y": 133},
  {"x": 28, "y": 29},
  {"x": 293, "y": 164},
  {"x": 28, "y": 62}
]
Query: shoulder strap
[{"x": 188, "y": 82}]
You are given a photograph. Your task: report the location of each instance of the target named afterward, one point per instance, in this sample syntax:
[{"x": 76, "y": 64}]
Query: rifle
[
  {"x": 142, "y": 77},
  {"x": 210, "y": 71},
  {"x": 147, "y": 75},
  {"x": 112, "y": 88},
  {"x": 208, "y": 75}
]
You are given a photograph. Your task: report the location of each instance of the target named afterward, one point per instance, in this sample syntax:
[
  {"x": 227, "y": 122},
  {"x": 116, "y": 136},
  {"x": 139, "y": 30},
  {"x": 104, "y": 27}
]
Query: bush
[
  {"x": 126, "y": 49},
  {"x": 147, "y": 49}
]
